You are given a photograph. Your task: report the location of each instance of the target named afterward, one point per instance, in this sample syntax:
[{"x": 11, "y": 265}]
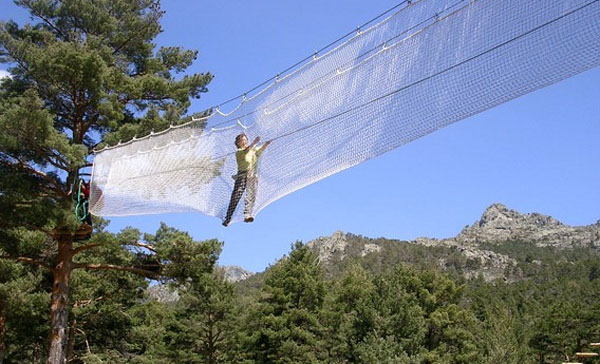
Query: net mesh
[{"x": 430, "y": 64}]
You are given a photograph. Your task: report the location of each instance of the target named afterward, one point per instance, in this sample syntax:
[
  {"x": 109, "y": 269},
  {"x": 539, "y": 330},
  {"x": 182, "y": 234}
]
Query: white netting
[{"x": 430, "y": 64}]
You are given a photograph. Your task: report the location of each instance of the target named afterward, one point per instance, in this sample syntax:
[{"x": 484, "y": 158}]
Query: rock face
[
  {"x": 162, "y": 293},
  {"x": 335, "y": 247},
  {"x": 328, "y": 247},
  {"x": 498, "y": 225},
  {"x": 234, "y": 273}
]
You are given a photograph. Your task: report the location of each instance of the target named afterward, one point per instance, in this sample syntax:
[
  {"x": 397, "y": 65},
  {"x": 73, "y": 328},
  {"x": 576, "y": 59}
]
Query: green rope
[{"x": 81, "y": 205}]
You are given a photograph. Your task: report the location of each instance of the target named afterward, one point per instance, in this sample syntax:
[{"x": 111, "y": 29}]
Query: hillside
[
  {"x": 503, "y": 244},
  {"x": 509, "y": 288}
]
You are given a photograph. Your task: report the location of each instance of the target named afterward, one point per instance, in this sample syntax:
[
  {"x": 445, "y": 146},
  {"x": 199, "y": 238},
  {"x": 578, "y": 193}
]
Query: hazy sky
[{"x": 537, "y": 153}]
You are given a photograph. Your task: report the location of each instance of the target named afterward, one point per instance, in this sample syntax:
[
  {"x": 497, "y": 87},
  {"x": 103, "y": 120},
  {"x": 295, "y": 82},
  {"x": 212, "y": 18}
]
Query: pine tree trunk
[
  {"x": 59, "y": 313},
  {"x": 210, "y": 345}
]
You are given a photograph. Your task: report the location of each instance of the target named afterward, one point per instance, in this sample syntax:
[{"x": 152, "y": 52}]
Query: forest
[{"x": 294, "y": 312}]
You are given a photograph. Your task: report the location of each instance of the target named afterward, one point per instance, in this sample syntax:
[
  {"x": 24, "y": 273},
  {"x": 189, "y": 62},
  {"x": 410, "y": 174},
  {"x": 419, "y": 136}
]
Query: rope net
[{"x": 429, "y": 64}]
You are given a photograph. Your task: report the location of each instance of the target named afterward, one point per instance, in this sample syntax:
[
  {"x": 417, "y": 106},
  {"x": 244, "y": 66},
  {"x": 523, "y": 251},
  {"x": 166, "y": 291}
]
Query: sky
[{"x": 537, "y": 153}]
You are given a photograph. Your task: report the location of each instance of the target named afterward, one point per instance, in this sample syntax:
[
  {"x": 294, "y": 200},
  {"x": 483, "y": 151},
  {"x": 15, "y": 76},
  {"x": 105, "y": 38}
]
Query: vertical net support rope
[{"x": 432, "y": 63}]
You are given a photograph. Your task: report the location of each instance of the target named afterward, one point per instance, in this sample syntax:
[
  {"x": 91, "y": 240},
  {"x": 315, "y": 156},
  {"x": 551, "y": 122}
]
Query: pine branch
[
  {"x": 45, "y": 20},
  {"x": 84, "y": 248},
  {"x": 28, "y": 226},
  {"x": 48, "y": 154},
  {"x": 142, "y": 272},
  {"x": 26, "y": 69},
  {"x": 84, "y": 303},
  {"x": 27, "y": 168},
  {"x": 87, "y": 344},
  {"x": 92, "y": 147},
  {"x": 28, "y": 261},
  {"x": 91, "y": 120},
  {"x": 155, "y": 18},
  {"x": 95, "y": 245},
  {"x": 44, "y": 154},
  {"x": 142, "y": 245}
]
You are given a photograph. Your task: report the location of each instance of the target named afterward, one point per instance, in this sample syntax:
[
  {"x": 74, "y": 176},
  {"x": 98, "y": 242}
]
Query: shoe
[
  {"x": 248, "y": 219},
  {"x": 226, "y": 223}
]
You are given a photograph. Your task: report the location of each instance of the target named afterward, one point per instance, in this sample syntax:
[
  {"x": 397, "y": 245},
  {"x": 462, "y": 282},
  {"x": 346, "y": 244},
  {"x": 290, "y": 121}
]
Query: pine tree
[
  {"x": 505, "y": 337},
  {"x": 23, "y": 302},
  {"x": 154, "y": 328},
  {"x": 99, "y": 321},
  {"x": 351, "y": 314},
  {"x": 204, "y": 329},
  {"x": 86, "y": 72},
  {"x": 201, "y": 329},
  {"x": 285, "y": 326},
  {"x": 568, "y": 314},
  {"x": 451, "y": 330},
  {"x": 422, "y": 315}
]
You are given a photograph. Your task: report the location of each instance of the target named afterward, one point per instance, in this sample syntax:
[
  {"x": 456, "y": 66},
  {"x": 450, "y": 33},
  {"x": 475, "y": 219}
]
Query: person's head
[{"x": 241, "y": 140}]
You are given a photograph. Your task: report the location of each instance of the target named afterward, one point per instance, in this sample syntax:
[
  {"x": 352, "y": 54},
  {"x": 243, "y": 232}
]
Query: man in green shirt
[{"x": 246, "y": 179}]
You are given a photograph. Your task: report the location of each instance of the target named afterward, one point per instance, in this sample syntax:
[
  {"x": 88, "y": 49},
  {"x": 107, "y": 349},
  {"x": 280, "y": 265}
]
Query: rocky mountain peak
[
  {"x": 234, "y": 273},
  {"x": 498, "y": 216},
  {"x": 328, "y": 247},
  {"x": 499, "y": 224}
]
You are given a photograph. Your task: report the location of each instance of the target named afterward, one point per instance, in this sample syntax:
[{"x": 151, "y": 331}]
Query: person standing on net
[{"x": 246, "y": 179}]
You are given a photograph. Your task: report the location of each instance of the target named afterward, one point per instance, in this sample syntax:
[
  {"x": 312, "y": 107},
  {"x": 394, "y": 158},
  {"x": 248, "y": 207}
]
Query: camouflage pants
[{"x": 244, "y": 182}]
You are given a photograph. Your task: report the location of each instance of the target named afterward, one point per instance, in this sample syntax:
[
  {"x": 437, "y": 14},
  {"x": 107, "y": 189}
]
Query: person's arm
[
  {"x": 256, "y": 140},
  {"x": 262, "y": 148}
]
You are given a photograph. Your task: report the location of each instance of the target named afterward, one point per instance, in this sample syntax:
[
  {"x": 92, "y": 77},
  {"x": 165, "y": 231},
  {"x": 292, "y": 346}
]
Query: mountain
[
  {"x": 234, "y": 273},
  {"x": 162, "y": 293},
  {"x": 499, "y": 224},
  {"x": 502, "y": 244},
  {"x": 165, "y": 294}
]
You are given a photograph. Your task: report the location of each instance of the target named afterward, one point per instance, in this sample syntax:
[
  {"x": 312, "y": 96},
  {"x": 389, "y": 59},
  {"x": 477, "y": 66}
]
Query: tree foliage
[{"x": 83, "y": 74}]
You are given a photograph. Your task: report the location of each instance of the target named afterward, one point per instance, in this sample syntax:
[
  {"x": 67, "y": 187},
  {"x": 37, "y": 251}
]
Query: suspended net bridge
[{"x": 425, "y": 65}]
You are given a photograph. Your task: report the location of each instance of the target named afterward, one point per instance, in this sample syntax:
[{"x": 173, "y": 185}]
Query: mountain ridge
[
  {"x": 499, "y": 224},
  {"x": 481, "y": 247}
]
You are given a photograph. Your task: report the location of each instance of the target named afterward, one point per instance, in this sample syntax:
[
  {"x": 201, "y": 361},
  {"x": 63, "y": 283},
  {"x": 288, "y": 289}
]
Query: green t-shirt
[{"x": 248, "y": 160}]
